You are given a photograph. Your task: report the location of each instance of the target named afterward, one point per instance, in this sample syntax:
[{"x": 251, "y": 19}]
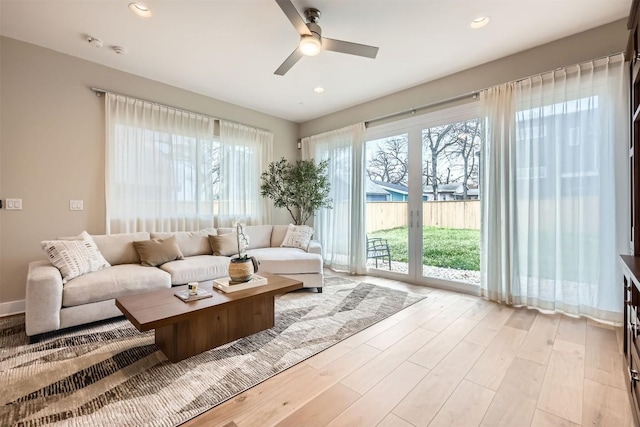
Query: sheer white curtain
[
  {"x": 554, "y": 190},
  {"x": 341, "y": 230},
  {"x": 245, "y": 153},
  {"x": 158, "y": 167}
]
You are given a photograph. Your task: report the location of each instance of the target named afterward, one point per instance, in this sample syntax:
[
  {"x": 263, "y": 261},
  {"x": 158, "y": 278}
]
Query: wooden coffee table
[{"x": 184, "y": 329}]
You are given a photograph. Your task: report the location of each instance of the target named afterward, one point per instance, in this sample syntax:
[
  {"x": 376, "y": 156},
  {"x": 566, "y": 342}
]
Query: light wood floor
[{"x": 449, "y": 360}]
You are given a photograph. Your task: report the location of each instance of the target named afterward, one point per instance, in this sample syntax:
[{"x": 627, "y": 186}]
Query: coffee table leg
[{"x": 213, "y": 327}]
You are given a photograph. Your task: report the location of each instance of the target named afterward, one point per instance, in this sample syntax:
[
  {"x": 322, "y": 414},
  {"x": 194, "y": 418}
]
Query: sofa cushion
[
  {"x": 190, "y": 242},
  {"x": 118, "y": 248},
  {"x": 156, "y": 252},
  {"x": 298, "y": 236},
  {"x": 113, "y": 282},
  {"x": 277, "y": 235},
  {"x": 74, "y": 257},
  {"x": 259, "y": 235},
  {"x": 224, "y": 245},
  {"x": 287, "y": 260},
  {"x": 197, "y": 268}
]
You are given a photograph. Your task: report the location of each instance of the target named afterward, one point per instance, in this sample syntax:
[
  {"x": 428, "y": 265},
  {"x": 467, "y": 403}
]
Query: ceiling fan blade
[
  {"x": 289, "y": 62},
  {"x": 290, "y": 10},
  {"x": 350, "y": 48}
]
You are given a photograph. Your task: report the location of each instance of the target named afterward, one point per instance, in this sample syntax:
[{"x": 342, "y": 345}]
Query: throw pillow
[
  {"x": 74, "y": 257},
  {"x": 156, "y": 252},
  {"x": 298, "y": 236},
  {"x": 224, "y": 245}
]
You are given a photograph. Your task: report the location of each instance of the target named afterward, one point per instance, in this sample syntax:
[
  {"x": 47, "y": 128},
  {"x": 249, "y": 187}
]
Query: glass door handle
[{"x": 410, "y": 219}]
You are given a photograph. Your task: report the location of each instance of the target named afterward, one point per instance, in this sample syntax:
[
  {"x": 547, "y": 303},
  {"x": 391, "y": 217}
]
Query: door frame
[{"x": 413, "y": 127}]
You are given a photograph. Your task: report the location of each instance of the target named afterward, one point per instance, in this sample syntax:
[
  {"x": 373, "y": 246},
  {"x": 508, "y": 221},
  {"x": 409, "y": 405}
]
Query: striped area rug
[{"x": 110, "y": 374}]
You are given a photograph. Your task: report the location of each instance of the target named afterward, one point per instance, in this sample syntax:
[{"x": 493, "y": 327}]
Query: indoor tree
[{"x": 301, "y": 187}]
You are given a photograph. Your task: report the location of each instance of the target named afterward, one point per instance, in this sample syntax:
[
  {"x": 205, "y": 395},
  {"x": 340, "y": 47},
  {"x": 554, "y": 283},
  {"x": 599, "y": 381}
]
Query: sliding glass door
[{"x": 423, "y": 209}]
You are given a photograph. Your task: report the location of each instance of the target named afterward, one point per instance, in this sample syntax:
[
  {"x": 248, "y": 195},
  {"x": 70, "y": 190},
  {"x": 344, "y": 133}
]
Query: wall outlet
[
  {"x": 76, "y": 205},
  {"x": 14, "y": 204}
]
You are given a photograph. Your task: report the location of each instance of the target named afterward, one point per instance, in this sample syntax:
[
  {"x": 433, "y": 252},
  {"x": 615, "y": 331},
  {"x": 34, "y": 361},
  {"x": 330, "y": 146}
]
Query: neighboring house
[
  {"x": 446, "y": 192},
  {"x": 397, "y": 192},
  {"x": 375, "y": 193},
  {"x": 473, "y": 193},
  {"x": 380, "y": 191}
]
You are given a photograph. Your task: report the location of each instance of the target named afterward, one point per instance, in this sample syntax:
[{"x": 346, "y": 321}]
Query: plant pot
[{"x": 241, "y": 269}]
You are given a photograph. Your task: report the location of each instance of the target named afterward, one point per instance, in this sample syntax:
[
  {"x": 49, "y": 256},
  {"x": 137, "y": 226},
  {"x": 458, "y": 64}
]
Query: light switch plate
[
  {"x": 76, "y": 205},
  {"x": 13, "y": 204}
]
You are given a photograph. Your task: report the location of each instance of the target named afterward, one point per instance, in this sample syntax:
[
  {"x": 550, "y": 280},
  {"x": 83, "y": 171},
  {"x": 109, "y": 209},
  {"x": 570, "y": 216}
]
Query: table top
[{"x": 152, "y": 309}]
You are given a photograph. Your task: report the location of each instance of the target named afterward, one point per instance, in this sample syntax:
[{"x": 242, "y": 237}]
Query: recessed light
[
  {"x": 140, "y": 9},
  {"x": 318, "y": 89},
  {"x": 479, "y": 22}
]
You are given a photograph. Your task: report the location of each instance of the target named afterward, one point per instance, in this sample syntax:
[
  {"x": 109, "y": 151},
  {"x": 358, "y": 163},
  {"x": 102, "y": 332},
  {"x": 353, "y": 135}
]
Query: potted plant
[
  {"x": 242, "y": 267},
  {"x": 301, "y": 187}
]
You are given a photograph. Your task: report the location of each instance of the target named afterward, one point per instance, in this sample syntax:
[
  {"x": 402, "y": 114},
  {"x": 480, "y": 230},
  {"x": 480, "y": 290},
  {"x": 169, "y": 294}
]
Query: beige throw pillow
[
  {"x": 156, "y": 252},
  {"x": 74, "y": 257},
  {"x": 298, "y": 236},
  {"x": 224, "y": 245}
]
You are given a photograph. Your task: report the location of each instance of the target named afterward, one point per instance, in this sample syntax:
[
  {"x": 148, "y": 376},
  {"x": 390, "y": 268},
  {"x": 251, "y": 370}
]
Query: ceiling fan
[{"x": 311, "y": 40}]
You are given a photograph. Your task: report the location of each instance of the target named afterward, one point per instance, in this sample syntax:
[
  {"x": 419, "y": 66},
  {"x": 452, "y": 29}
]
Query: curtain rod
[
  {"x": 414, "y": 110},
  {"x": 100, "y": 92},
  {"x": 475, "y": 93}
]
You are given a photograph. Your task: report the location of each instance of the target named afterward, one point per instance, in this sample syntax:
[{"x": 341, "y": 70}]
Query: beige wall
[
  {"x": 52, "y": 147},
  {"x": 601, "y": 41}
]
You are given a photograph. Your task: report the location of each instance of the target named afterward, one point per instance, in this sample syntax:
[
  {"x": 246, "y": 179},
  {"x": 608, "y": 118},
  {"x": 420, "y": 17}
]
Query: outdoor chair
[{"x": 378, "y": 248}]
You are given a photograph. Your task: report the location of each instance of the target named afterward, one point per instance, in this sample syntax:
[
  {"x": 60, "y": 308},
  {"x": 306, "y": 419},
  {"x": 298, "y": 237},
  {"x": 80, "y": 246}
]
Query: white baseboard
[{"x": 12, "y": 307}]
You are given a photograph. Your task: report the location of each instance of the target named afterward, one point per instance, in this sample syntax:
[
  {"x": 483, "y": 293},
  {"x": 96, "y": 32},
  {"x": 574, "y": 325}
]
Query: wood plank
[
  {"x": 603, "y": 362},
  {"x": 522, "y": 318},
  {"x": 382, "y": 365},
  {"x": 466, "y": 406},
  {"x": 327, "y": 356},
  {"x": 603, "y": 325},
  {"x": 492, "y": 366},
  {"x": 479, "y": 309},
  {"x": 545, "y": 419},
  {"x": 572, "y": 330},
  {"x": 449, "y": 315},
  {"x": 365, "y": 335},
  {"x": 323, "y": 408},
  {"x": 395, "y": 333},
  {"x": 561, "y": 392},
  {"x": 489, "y": 326},
  {"x": 433, "y": 352},
  {"x": 538, "y": 343},
  {"x": 605, "y": 406},
  {"x": 515, "y": 401},
  {"x": 422, "y": 404},
  {"x": 374, "y": 406},
  {"x": 285, "y": 393},
  {"x": 393, "y": 421}
]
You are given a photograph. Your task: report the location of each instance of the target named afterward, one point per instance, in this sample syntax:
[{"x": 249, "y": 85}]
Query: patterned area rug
[{"x": 111, "y": 374}]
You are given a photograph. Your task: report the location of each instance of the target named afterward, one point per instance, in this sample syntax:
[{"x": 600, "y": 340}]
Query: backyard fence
[{"x": 463, "y": 214}]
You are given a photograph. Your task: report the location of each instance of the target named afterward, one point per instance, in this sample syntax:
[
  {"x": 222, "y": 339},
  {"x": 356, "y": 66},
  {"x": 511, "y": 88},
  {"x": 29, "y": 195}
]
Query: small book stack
[
  {"x": 226, "y": 285},
  {"x": 200, "y": 294}
]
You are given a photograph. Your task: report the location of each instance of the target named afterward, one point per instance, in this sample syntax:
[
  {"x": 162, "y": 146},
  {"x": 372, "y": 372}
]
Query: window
[{"x": 166, "y": 171}]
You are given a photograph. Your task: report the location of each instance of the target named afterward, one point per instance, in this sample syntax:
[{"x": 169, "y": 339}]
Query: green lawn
[{"x": 441, "y": 247}]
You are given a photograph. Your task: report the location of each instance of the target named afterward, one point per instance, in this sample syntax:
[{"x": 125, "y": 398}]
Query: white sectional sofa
[{"x": 52, "y": 305}]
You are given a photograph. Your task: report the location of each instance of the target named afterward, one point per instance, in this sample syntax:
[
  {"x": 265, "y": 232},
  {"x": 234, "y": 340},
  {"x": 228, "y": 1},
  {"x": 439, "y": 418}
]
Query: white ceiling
[{"x": 229, "y": 49}]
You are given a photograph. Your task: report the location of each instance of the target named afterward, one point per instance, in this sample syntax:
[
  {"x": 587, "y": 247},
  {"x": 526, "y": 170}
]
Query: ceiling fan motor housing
[
  {"x": 315, "y": 29},
  {"x": 312, "y": 15}
]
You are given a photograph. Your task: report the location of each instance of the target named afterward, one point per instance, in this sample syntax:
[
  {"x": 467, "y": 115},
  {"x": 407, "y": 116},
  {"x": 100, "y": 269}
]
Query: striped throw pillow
[{"x": 74, "y": 257}]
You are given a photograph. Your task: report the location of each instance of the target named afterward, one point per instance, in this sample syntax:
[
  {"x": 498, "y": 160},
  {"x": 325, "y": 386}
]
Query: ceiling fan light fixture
[
  {"x": 140, "y": 9},
  {"x": 479, "y": 22},
  {"x": 310, "y": 45}
]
